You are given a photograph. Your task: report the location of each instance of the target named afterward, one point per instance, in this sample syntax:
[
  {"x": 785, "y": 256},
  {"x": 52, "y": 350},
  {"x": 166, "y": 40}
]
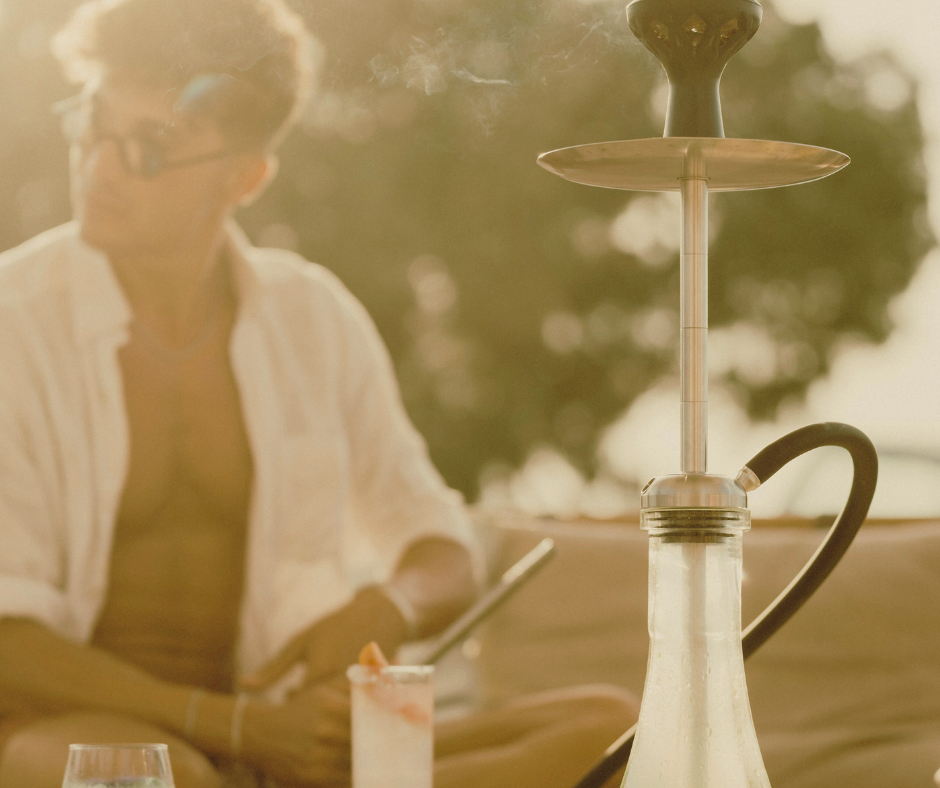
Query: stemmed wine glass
[{"x": 118, "y": 766}]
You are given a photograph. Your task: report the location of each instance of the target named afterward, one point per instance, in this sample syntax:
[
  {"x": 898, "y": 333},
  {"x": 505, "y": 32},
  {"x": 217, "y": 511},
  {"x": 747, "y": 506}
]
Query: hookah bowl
[
  {"x": 695, "y": 728},
  {"x": 694, "y": 42}
]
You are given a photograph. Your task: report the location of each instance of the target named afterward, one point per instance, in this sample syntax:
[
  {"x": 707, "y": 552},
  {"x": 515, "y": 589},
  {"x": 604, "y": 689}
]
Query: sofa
[{"x": 846, "y": 694}]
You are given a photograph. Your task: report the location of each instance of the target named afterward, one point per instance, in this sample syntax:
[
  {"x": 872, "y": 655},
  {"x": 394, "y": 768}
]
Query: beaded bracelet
[
  {"x": 238, "y": 719},
  {"x": 192, "y": 712}
]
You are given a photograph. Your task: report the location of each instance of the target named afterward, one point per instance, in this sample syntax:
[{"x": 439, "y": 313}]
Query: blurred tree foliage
[{"x": 522, "y": 310}]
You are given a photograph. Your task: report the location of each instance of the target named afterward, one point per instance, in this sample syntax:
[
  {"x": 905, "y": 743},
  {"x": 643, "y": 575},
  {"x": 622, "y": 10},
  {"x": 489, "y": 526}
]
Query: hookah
[{"x": 695, "y": 728}]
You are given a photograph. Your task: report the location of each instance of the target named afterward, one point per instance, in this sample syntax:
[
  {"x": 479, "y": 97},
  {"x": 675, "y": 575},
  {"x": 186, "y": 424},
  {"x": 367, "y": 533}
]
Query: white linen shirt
[{"x": 337, "y": 463}]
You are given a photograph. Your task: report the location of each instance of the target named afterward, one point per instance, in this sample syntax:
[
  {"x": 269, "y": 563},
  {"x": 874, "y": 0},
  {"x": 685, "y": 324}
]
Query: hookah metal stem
[
  {"x": 693, "y": 353},
  {"x": 693, "y": 316}
]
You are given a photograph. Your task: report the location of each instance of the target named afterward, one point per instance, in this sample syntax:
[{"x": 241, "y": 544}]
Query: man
[{"x": 196, "y": 435}]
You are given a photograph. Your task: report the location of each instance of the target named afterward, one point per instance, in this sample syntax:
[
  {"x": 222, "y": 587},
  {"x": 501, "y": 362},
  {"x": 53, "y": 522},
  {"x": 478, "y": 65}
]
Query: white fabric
[{"x": 337, "y": 462}]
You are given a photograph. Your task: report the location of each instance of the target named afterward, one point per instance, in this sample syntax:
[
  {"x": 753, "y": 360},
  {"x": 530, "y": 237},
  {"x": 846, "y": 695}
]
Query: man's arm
[
  {"x": 304, "y": 740},
  {"x": 435, "y": 577},
  {"x": 418, "y": 528},
  {"x": 40, "y": 670}
]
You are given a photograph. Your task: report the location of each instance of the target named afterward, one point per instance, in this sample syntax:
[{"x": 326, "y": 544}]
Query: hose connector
[{"x": 747, "y": 479}]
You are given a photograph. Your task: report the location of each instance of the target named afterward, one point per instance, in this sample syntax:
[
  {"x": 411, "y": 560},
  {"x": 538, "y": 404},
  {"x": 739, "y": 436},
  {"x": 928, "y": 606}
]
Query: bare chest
[
  {"x": 187, "y": 435},
  {"x": 178, "y": 553}
]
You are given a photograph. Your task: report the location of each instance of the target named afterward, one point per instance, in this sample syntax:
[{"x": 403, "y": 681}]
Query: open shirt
[{"x": 342, "y": 480}]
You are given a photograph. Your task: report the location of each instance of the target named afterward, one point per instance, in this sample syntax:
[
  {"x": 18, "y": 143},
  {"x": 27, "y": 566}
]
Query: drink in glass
[
  {"x": 392, "y": 726},
  {"x": 118, "y": 766}
]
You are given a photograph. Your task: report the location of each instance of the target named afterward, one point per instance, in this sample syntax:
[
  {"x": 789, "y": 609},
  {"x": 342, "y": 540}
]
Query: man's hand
[
  {"x": 306, "y": 740},
  {"x": 332, "y": 644},
  {"x": 434, "y": 574}
]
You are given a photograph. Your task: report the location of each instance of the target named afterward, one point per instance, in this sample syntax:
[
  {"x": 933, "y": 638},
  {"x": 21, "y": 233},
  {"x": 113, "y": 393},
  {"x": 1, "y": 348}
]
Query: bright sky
[{"x": 890, "y": 391}]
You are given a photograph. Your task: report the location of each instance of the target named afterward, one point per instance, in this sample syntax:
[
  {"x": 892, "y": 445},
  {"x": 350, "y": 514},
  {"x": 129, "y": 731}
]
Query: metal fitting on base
[
  {"x": 693, "y": 491},
  {"x": 699, "y": 502},
  {"x": 695, "y": 525}
]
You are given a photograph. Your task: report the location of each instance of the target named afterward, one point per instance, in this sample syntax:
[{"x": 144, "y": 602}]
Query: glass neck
[{"x": 695, "y": 728}]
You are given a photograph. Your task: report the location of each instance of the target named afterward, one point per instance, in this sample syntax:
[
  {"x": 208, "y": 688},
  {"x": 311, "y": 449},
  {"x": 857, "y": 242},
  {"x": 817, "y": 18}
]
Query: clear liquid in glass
[
  {"x": 118, "y": 766},
  {"x": 695, "y": 728}
]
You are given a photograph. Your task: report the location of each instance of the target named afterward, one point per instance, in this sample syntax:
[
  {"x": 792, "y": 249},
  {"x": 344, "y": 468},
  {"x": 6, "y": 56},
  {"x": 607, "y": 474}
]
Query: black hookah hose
[{"x": 764, "y": 465}]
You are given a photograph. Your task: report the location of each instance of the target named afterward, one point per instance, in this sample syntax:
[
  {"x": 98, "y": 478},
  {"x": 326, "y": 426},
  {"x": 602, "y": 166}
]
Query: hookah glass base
[
  {"x": 695, "y": 728},
  {"x": 663, "y": 496}
]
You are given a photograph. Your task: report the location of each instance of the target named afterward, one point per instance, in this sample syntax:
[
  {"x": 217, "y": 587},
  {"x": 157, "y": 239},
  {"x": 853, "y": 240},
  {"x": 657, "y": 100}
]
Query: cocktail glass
[
  {"x": 118, "y": 766},
  {"x": 392, "y": 726}
]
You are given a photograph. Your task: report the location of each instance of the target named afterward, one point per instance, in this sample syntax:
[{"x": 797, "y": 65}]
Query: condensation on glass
[{"x": 695, "y": 728}]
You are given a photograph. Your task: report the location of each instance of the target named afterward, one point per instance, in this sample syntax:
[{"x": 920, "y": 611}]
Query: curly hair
[{"x": 246, "y": 64}]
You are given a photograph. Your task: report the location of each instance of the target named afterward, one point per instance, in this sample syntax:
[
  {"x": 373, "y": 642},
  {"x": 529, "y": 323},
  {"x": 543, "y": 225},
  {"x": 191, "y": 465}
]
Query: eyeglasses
[{"x": 141, "y": 153}]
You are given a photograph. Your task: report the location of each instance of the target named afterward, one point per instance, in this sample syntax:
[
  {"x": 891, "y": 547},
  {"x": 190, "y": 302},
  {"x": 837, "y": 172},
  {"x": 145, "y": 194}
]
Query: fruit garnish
[{"x": 371, "y": 656}]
